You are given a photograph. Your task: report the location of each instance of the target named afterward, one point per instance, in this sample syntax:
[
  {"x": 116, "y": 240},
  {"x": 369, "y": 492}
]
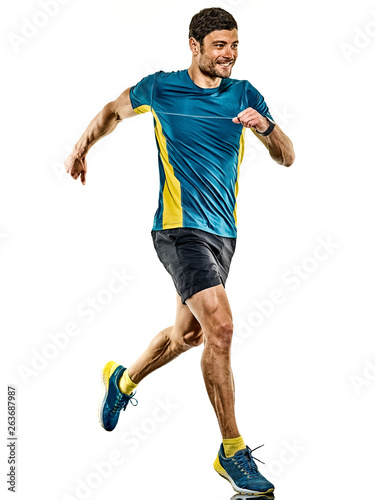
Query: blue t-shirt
[{"x": 200, "y": 149}]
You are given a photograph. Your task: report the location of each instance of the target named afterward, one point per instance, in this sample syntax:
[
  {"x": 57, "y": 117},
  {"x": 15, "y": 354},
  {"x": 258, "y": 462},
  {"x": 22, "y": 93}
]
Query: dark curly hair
[{"x": 208, "y": 20}]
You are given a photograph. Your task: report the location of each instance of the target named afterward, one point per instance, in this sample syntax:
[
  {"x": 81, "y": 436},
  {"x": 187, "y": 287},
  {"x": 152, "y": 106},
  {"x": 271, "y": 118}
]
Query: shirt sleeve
[
  {"x": 256, "y": 101},
  {"x": 141, "y": 94}
]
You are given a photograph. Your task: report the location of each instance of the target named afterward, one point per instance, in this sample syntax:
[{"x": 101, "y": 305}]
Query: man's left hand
[{"x": 252, "y": 119}]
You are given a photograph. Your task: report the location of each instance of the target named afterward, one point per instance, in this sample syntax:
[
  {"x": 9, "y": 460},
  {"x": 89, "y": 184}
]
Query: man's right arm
[{"x": 103, "y": 124}]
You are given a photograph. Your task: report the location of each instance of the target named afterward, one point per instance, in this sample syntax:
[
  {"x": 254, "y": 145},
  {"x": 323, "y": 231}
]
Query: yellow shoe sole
[{"x": 107, "y": 372}]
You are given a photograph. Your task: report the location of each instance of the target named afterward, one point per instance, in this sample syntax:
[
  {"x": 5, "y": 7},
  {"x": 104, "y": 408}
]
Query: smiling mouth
[{"x": 225, "y": 65}]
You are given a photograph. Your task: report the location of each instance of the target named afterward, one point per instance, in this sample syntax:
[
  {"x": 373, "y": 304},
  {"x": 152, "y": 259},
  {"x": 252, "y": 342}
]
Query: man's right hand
[{"x": 76, "y": 166}]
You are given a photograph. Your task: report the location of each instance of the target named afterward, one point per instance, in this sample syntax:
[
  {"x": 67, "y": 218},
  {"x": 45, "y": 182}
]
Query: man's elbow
[
  {"x": 288, "y": 156},
  {"x": 285, "y": 160},
  {"x": 112, "y": 111},
  {"x": 288, "y": 160}
]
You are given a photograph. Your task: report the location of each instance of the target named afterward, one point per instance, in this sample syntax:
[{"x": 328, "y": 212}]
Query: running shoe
[
  {"x": 242, "y": 496},
  {"x": 113, "y": 400},
  {"x": 242, "y": 472}
]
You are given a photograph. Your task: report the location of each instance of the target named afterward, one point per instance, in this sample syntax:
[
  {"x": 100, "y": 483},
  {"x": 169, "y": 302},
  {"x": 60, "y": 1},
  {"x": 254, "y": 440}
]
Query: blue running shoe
[
  {"x": 113, "y": 400},
  {"x": 242, "y": 496},
  {"x": 242, "y": 472}
]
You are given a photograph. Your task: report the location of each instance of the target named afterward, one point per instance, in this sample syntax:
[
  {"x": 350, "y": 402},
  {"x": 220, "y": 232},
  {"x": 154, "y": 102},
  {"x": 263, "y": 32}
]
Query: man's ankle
[{"x": 233, "y": 445}]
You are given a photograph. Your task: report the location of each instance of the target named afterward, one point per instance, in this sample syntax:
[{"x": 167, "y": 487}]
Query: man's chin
[
  {"x": 216, "y": 72},
  {"x": 224, "y": 73}
]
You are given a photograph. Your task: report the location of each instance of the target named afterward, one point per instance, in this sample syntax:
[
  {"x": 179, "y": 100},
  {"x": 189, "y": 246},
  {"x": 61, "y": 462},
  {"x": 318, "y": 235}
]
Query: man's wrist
[
  {"x": 271, "y": 126},
  {"x": 80, "y": 151}
]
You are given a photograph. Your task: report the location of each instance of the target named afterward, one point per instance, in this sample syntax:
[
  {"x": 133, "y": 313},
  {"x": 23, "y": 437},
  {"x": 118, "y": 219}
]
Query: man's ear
[{"x": 194, "y": 46}]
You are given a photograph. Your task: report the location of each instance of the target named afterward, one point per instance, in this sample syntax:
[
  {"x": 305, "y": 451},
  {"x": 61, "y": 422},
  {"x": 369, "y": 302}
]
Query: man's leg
[
  {"x": 168, "y": 344},
  {"x": 212, "y": 310},
  {"x": 234, "y": 460},
  {"x": 119, "y": 383}
]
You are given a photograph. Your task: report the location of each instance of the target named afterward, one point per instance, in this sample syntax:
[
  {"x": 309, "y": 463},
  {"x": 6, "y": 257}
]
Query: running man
[{"x": 200, "y": 117}]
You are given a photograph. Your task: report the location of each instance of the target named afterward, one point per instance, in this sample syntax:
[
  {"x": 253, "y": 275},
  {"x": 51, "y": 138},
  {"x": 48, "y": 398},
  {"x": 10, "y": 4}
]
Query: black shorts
[{"x": 195, "y": 259}]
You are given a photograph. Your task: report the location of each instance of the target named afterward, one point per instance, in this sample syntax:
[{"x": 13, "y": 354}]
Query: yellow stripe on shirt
[
  {"x": 240, "y": 158},
  {"x": 172, "y": 208},
  {"x": 142, "y": 109}
]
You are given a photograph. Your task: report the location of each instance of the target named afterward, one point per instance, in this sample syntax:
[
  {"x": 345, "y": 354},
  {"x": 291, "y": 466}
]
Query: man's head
[{"x": 213, "y": 39}]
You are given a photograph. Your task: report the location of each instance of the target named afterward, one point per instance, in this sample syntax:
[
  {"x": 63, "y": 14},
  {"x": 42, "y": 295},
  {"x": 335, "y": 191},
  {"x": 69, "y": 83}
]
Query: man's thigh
[{"x": 210, "y": 307}]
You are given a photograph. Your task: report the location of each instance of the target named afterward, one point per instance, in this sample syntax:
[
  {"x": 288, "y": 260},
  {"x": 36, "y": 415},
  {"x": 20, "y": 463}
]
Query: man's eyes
[{"x": 221, "y": 45}]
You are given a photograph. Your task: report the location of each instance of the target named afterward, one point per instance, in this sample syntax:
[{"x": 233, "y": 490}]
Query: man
[{"x": 200, "y": 117}]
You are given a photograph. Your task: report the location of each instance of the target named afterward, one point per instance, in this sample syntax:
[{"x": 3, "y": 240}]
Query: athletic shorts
[{"x": 195, "y": 259}]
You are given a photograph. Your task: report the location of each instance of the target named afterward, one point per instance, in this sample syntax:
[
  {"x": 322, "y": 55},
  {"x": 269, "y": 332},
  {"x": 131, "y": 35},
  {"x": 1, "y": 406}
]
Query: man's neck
[{"x": 202, "y": 80}]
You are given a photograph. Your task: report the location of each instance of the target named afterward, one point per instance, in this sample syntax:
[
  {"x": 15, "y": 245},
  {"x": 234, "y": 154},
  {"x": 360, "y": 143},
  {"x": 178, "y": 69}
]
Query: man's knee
[{"x": 220, "y": 335}]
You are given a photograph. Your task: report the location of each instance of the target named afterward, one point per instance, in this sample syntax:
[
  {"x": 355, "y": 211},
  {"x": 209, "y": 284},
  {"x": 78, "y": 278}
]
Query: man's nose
[{"x": 229, "y": 52}]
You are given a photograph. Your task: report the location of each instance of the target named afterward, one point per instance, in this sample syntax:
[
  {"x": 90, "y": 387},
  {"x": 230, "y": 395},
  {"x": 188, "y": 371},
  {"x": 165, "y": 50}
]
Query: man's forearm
[
  {"x": 279, "y": 146},
  {"x": 103, "y": 124}
]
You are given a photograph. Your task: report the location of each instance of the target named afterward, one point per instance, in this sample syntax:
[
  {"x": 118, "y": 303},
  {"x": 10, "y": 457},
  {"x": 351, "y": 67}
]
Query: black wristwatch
[{"x": 269, "y": 130}]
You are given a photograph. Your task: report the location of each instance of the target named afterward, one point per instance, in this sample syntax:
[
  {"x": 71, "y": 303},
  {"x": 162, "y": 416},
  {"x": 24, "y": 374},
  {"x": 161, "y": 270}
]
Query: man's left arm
[{"x": 278, "y": 144}]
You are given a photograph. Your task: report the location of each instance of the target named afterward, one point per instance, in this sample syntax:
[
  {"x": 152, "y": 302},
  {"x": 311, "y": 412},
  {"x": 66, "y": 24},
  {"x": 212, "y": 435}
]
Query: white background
[{"x": 305, "y": 376}]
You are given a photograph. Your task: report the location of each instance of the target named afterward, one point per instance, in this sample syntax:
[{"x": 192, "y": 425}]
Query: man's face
[{"x": 218, "y": 53}]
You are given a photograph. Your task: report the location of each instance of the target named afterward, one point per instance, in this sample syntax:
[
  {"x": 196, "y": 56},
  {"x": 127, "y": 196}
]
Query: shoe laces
[
  {"x": 245, "y": 461},
  {"x": 122, "y": 401}
]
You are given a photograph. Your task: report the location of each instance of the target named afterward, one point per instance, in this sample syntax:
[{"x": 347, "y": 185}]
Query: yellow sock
[
  {"x": 231, "y": 446},
  {"x": 126, "y": 384}
]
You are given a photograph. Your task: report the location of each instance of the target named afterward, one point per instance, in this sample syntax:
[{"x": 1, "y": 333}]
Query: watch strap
[{"x": 269, "y": 130}]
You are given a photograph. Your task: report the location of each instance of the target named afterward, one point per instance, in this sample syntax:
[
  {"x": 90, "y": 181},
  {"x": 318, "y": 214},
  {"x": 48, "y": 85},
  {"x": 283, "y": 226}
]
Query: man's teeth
[{"x": 225, "y": 65}]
